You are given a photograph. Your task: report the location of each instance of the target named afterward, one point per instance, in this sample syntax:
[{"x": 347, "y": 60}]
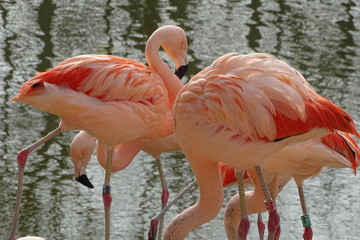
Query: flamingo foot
[
  {"x": 261, "y": 227},
  {"x": 244, "y": 227},
  {"x": 153, "y": 229}
]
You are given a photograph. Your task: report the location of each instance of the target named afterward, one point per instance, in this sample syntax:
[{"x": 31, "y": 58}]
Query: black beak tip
[
  {"x": 180, "y": 72},
  {"x": 84, "y": 180}
]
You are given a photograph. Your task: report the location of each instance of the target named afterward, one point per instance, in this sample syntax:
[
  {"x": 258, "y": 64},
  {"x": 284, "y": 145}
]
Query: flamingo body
[
  {"x": 228, "y": 98},
  {"x": 240, "y": 110},
  {"x": 306, "y": 159},
  {"x": 298, "y": 160},
  {"x": 128, "y": 96},
  {"x": 113, "y": 99}
]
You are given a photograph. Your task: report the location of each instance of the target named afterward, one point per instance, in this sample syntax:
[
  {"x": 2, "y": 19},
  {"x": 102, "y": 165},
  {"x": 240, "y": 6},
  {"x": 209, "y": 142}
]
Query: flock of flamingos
[{"x": 245, "y": 118}]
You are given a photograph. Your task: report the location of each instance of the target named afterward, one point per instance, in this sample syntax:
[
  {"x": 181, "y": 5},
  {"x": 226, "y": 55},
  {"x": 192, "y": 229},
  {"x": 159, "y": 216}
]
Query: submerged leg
[
  {"x": 155, "y": 221},
  {"x": 164, "y": 195},
  {"x": 244, "y": 225},
  {"x": 106, "y": 194},
  {"x": 261, "y": 226},
  {"x": 21, "y": 160},
  {"x": 274, "y": 218}
]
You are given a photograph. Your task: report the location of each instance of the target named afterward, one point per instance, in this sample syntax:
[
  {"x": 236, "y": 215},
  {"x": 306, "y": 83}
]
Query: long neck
[
  {"x": 172, "y": 82},
  {"x": 123, "y": 154}
]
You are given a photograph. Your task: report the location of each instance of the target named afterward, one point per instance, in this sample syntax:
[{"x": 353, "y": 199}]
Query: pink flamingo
[
  {"x": 83, "y": 145},
  {"x": 301, "y": 161},
  {"x": 114, "y": 99},
  {"x": 239, "y": 110}
]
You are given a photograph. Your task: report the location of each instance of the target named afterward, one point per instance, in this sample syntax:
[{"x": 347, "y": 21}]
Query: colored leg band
[
  {"x": 306, "y": 220},
  {"x": 106, "y": 189},
  {"x": 270, "y": 206}
]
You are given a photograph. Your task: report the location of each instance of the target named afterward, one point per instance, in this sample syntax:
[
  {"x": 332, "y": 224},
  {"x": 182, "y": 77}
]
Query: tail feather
[
  {"x": 321, "y": 113},
  {"x": 342, "y": 143}
]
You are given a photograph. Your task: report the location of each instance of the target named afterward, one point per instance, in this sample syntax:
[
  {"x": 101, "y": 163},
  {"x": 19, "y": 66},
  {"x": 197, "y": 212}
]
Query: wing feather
[{"x": 262, "y": 98}]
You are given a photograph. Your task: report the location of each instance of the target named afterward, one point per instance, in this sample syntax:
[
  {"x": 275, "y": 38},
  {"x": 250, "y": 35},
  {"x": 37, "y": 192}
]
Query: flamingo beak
[
  {"x": 180, "y": 72},
  {"x": 84, "y": 180}
]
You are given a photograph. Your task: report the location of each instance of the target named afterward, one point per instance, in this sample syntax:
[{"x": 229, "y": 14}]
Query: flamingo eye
[{"x": 36, "y": 85}]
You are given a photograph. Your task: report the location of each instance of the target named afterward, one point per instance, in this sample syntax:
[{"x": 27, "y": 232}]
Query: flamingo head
[{"x": 81, "y": 149}]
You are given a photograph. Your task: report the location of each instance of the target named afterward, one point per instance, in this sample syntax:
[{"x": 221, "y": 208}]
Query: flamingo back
[
  {"x": 91, "y": 91},
  {"x": 236, "y": 89},
  {"x": 105, "y": 77}
]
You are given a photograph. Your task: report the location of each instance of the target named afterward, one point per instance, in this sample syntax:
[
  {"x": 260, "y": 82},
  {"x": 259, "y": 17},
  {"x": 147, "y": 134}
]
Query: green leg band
[{"x": 306, "y": 220}]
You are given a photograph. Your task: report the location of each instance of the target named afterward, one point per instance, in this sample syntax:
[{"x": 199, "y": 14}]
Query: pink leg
[
  {"x": 21, "y": 160},
  {"x": 308, "y": 233},
  {"x": 305, "y": 218},
  {"x": 261, "y": 226},
  {"x": 164, "y": 195},
  {"x": 244, "y": 225},
  {"x": 277, "y": 234},
  {"x": 274, "y": 218},
  {"x": 107, "y": 193},
  {"x": 107, "y": 204},
  {"x": 155, "y": 221}
]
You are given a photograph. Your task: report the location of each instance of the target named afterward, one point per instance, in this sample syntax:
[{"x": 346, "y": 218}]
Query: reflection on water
[{"x": 320, "y": 38}]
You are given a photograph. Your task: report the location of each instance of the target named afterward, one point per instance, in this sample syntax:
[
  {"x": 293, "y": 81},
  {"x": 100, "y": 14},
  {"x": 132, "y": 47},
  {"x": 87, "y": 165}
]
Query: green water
[{"x": 319, "y": 38}]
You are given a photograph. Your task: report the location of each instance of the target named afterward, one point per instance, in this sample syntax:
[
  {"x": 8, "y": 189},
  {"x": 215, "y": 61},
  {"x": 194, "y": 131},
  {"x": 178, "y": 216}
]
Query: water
[{"x": 319, "y": 38}]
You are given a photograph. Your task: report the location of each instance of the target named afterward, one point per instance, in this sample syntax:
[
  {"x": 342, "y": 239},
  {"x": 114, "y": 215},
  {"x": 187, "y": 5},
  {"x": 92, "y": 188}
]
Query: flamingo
[
  {"x": 116, "y": 100},
  {"x": 239, "y": 110},
  {"x": 83, "y": 145},
  {"x": 299, "y": 161}
]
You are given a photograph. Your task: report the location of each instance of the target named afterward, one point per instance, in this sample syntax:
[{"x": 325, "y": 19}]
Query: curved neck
[
  {"x": 172, "y": 82},
  {"x": 124, "y": 153}
]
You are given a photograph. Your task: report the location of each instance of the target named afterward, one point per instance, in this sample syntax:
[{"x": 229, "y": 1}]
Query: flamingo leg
[
  {"x": 106, "y": 194},
  {"x": 274, "y": 218},
  {"x": 155, "y": 221},
  {"x": 273, "y": 188},
  {"x": 244, "y": 225},
  {"x": 21, "y": 160},
  {"x": 164, "y": 195},
  {"x": 261, "y": 226},
  {"x": 305, "y": 218}
]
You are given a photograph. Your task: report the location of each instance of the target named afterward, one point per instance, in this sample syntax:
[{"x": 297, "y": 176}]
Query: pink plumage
[
  {"x": 301, "y": 161},
  {"x": 240, "y": 110},
  {"x": 113, "y": 99}
]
